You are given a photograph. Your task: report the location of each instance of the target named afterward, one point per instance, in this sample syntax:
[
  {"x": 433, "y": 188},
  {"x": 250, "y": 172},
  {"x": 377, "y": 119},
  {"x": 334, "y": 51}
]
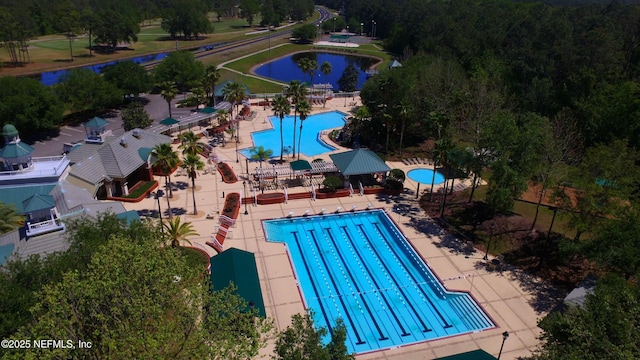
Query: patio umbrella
[{"x": 169, "y": 121}]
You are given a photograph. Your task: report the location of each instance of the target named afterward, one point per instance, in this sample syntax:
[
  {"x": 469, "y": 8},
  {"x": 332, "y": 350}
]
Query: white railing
[
  {"x": 350, "y": 190},
  {"x": 60, "y": 158},
  {"x": 313, "y": 192},
  {"x": 43, "y": 227},
  {"x": 286, "y": 195},
  {"x": 361, "y": 188},
  {"x": 216, "y": 242},
  {"x": 225, "y": 219},
  {"x": 38, "y": 225}
]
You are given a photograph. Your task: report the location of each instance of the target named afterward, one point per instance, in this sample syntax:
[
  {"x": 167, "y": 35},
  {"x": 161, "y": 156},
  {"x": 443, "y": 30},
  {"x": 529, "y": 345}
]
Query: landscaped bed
[
  {"x": 138, "y": 192},
  {"x": 228, "y": 176},
  {"x": 231, "y": 205},
  {"x": 272, "y": 198}
]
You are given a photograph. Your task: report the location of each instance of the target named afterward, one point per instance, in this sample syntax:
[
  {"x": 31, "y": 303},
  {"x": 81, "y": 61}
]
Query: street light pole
[
  {"x": 505, "y": 335},
  {"x": 246, "y": 212},
  {"x": 491, "y": 231},
  {"x": 157, "y": 195}
]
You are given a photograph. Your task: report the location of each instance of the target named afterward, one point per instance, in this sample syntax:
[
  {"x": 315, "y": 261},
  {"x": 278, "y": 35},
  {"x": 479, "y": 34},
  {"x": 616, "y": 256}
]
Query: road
[{"x": 156, "y": 107}]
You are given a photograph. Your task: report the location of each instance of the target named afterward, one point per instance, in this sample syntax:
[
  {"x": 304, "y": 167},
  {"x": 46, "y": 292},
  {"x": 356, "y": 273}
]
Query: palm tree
[
  {"x": 192, "y": 163},
  {"x": 261, "y": 154},
  {"x": 197, "y": 96},
  {"x": 304, "y": 109},
  {"x": 211, "y": 77},
  {"x": 179, "y": 231},
  {"x": 234, "y": 93},
  {"x": 9, "y": 218},
  {"x": 404, "y": 111},
  {"x": 223, "y": 117},
  {"x": 326, "y": 69},
  {"x": 166, "y": 159},
  {"x": 168, "y": 91},
  {"x": 308, "y": 66},
  {"x": 296, "y": 91},
  {"x": 190, "y": 144},
  {"x": 281, "y": 107},
  {"x": 231, "y": 131}
]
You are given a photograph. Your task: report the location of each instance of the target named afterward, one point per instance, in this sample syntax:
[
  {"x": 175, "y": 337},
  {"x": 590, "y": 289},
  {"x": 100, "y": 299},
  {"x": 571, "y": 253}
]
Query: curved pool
[
  {"x": 425, "y": 176},
  {"x": 311, "y": 144}
]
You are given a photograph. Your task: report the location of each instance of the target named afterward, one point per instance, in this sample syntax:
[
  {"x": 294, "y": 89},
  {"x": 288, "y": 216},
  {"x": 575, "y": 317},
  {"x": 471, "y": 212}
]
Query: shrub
[
  {"x": 332, "y": 183},
  {"x": 398, "y": 175},
  {"x": 139, "y": 190},
  {"x": 393, "y": 184}
]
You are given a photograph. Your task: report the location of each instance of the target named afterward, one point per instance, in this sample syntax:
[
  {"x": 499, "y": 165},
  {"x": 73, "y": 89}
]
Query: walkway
[{"x": 514, "y": 300}]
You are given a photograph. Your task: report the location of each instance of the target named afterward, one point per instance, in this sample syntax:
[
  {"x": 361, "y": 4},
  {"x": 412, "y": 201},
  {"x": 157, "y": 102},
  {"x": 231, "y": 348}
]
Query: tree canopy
[
  {"x": 605, "y": 328},
  {"x": 147, "y": 303},
  {"x": 181, "y": 68},
  {"x": 129, "y": 77},
  {"x": 187, "y": 18},
  {"x": 84, "y": 90},
  {"x": 28, "y": 105}
]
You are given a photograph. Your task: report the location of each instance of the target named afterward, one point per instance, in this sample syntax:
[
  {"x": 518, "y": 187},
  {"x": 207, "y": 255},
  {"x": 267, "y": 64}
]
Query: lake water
[{"x": 286, "y": 69}]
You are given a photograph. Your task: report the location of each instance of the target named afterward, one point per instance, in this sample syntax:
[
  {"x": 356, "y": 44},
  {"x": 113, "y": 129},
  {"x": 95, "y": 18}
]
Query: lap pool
[{"x": 360, "y": 268}]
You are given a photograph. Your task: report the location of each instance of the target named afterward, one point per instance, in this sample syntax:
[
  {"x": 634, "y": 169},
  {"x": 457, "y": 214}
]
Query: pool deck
[{"x": 514, "y": 300}]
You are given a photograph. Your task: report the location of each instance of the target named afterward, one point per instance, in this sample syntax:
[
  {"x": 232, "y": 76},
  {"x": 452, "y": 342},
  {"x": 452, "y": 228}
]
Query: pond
[
  {"x": 286, "y": 69},
  {"x": 53, "y": 77}
]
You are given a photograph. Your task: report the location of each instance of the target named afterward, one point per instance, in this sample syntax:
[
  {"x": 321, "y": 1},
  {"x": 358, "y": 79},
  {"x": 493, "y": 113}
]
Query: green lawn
[{"x": 51, "y": 52}]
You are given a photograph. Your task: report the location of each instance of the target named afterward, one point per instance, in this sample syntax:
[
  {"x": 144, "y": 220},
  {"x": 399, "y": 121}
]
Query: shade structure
[
  {"x": 238, "y": 266},
  {"x": 358, "y": 162},
  {"x": 471, "y": 355},
  {"x": 300, "y": 165},
  {"x": 208, "y": 110},
  {"x": 169, "y": 121},
  {"x": 96, "y": 122}
]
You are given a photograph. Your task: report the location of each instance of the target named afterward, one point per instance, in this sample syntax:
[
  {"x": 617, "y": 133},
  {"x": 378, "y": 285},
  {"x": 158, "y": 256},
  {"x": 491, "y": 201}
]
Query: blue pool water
[
  {"x": 311, "y": 144},
  {"x": 286, "y": 69},
  {"x": 358, "y": 267},
  {"x": 425, "y": 176}
]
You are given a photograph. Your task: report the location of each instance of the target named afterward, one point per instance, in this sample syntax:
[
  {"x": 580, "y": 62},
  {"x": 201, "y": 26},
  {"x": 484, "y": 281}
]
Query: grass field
[{"x": 51, "y": 52}]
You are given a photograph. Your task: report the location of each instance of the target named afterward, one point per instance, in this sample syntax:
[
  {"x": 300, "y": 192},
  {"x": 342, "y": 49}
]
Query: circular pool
[{"x": 425, "y": 176}]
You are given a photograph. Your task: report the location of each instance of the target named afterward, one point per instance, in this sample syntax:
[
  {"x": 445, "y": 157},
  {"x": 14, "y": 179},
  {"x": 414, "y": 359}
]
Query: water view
[{"x": 286, "y": 69}]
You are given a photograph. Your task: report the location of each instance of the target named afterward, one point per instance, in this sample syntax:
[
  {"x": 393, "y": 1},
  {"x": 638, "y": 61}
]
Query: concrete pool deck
[{"x": 514, "y": 300}]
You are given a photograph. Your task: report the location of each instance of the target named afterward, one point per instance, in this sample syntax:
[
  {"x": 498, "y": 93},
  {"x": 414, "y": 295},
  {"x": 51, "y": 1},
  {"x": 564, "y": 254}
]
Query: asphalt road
[{"x": 51, "y": 144}]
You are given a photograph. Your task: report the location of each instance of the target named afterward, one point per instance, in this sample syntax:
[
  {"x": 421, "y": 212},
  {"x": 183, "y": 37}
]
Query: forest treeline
[{"x": 548, "y": 58}]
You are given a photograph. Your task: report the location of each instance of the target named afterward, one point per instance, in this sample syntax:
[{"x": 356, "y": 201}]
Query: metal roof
[
  {"x": 471, "y": 355},
  {"x": 359, "y": 161},
  {"x": 17, "y": 195},
  {"x": 117, "y": 157},
  {"x": 300, "y": 165},
  {"x": 238, "y": 266},
  {"x": 15, "y": 150},
  {"x": 169, "y": 121},
  {"x": 38, "y": 202},
  {"x": 96, "y": 122}
]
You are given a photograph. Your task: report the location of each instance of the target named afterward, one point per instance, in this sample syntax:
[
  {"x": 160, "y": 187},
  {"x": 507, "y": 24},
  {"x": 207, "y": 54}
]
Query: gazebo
[
  {"x": 359, "y": 162},
  {"x": 96, "y": 130},
  {"x": 14, "y": 155}
]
